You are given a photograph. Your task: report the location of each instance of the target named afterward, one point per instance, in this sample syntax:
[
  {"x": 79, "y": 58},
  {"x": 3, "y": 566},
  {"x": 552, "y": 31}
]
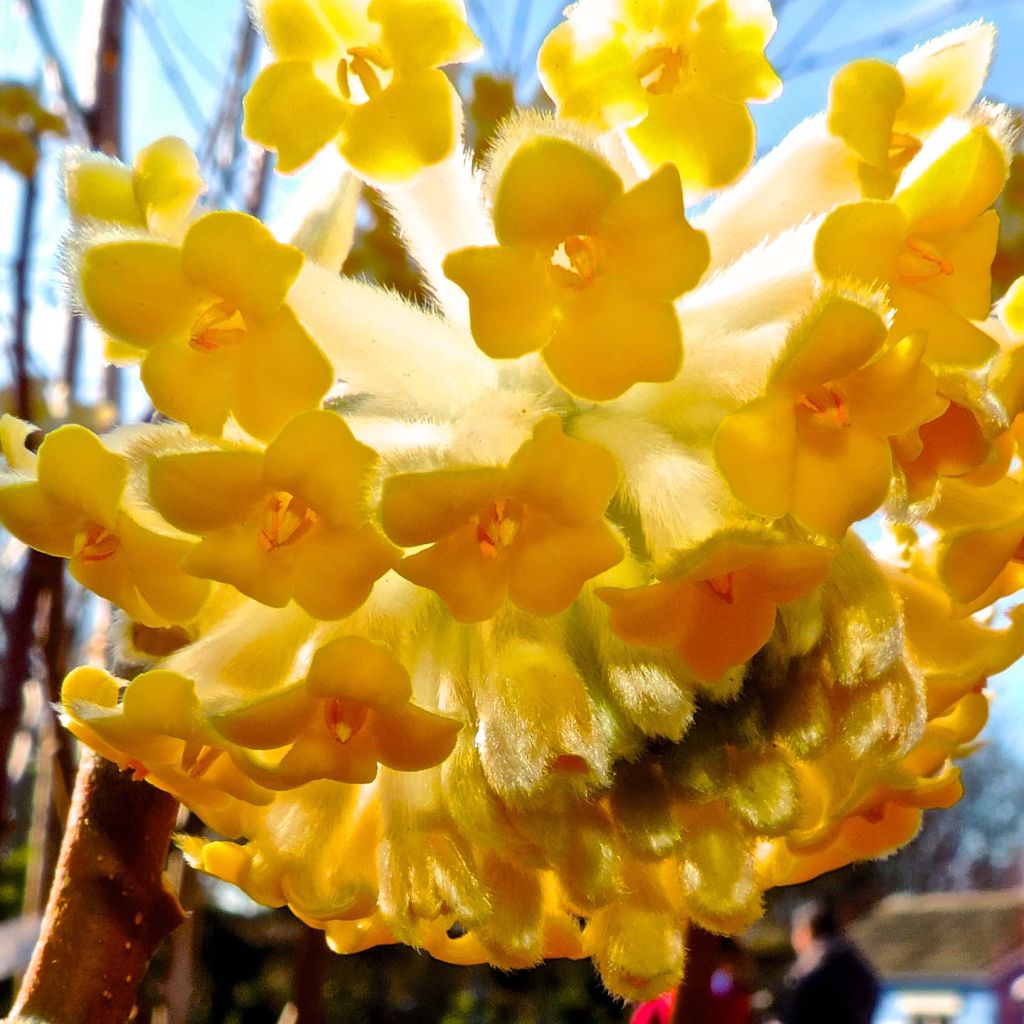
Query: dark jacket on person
[{"x": 831, "y": 983}]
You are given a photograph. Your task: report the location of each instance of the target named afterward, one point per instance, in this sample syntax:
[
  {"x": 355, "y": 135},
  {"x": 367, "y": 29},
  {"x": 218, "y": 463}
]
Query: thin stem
[
  {"x": 693, "y": 1002},
  {"x": 109, "y": 909},
  {"x": 74, "y": 112},
  {"x": 260, "y": 175},
  {"x": 22, "y": 274},
  {"x": 105, "y": 122}
]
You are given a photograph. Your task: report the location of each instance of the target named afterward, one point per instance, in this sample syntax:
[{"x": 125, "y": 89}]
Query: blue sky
[{"x": 814, "y": 37}]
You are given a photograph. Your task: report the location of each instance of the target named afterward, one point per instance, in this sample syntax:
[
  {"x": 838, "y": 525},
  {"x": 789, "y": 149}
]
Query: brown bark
[
  {"x": 693, "y": 1000},
  {"x": 22, "y": 273},
  {"x": 109, "y": 909}
]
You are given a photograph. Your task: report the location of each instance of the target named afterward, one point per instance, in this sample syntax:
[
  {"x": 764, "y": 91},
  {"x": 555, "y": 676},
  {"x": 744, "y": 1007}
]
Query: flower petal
[
  {"x": 200, "y": 492},
  {"x": 190, "y": 385},
  {"x": 951, "y": 339},
  {"x": 896, "y": 392},
  {"x": 316, "y": 457},
  {"x": 412, "y": 124},
  {"x": 755, "y": 448},
  {"x": 279, "y": 373},
  {"x": 959, "y": 186},
  {"x": 472, "y": 585},
  {"x": 76, "y": 470},
  {"x": 420, "y": 34},
  {"x": 944, "y": 76},
  {"x": 335, "y": 570},
  {"x": 32, "y": 517},
  {"x": 418, "y": 508},
  {"x": 235, "y": 556},
  {"x": 512, "y": 299},
  {"x": 152, "y": 563},
  {"x": 570, "y": 480},
  {"x": 864, "y": 98},
  {"x": 709, "y": 138},
  {"x": 608, "y": 341},
  {"x": 137, "y": 291},
  {"x": 591, "y": 80},
  {"x": 837, "y": 337},
  {"x": 550, "y": 562},
  {"x": 414, "y": 738},
  {"x": 654, "y": 251},
  {"x": 861, "y": 239},
  {"x": 290, "y": 111},
  {"x": 101, "y": 188},
  {"x": 167, "y": 183},
  {"x": 233, "y": 255},
  {"x": 967, "y": 288},
  {"x": 968, "y": 563},
  {"x": 354, "y": 669},
  {"x": 842, "y": 476},
  {"x": 552, "y": 189},
  {"x": 728, "y": 49}
]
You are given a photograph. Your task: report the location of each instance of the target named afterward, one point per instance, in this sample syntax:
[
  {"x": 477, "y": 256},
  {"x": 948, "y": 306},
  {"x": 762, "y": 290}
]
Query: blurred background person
[{"x": 830, "y": 981}]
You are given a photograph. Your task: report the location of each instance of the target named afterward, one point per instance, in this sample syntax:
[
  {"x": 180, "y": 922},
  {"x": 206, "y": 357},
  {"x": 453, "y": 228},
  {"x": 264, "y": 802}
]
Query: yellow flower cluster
[
  {"x": 516, "y": 628},
  {"x": 22, "y": 122}
]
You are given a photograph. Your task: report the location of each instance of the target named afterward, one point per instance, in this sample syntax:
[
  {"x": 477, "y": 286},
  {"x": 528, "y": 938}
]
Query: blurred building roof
[{"x": 970, "y": 936}]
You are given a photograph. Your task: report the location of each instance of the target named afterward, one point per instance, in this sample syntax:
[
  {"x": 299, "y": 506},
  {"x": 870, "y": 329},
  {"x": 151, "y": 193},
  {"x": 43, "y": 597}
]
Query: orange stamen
[
  {"x": 660, "y": 69},
  {"x": 902, "y": 149},
  {"x": 828, "y": 403},
  {"x": 587, "y": 257},
  {"x": 722, "y": 586},
  {"x": 366, "y": 63},
  {"x": 343, "y": 722},
  {"x": 202, "y": 764},
  {"x": 98, "y": 545},
  {"x": 923, "y": 262},
  {"x": 497, "y": 526},
  {"x": 216, "y": 326},
  {"x": 287, "y": 520},
  {"x": 138, "y": 769}
]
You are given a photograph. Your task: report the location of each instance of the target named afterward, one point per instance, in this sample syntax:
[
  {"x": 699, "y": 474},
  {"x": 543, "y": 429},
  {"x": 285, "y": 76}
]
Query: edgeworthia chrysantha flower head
[{"x": 543, "y": 620}]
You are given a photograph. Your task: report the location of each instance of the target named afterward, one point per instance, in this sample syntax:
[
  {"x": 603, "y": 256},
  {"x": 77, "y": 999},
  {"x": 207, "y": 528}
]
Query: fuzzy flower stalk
[{"x": 652, "y": 565}]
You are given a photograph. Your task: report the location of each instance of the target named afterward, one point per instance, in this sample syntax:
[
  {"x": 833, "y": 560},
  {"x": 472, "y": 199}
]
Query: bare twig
[
  {"x": 74, "y": 112},
  {"x": 261, "y": 169},
  {"x": 108, "y": 910},
  {"x": 22, "y": 273},
  {"x": 105, "y": 122},
  {"x": 19, "y": 629},
  {"x": 41, "y": 575},
  {"x": 224, "y": 140}
]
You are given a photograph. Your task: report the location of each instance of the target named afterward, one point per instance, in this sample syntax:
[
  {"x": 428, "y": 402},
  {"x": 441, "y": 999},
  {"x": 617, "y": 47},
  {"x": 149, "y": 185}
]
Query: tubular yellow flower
[
  {"x": 68, "y": 501},
  {"x": 931, "y": 245},
  {"x": 211, "y": 318},
  {"x": 674, "y": 75},
  {"x": 981, "y": 547},
  {"x": 720, "y": 611},
  {"x": 584, "y": 272},
  {"x": 816, "y": 444},
  {"x": 286, "y": 523},
  {"x": 552, "y": 645},
  {"x": 350, "y": 713},
  {"x": 883, "y": 113},
  {"x": 157, "y": 193},
  {"x": 364, "y": 73},
  {"x": 534, "y": 528},
  {"x": 954, "y": 444}
]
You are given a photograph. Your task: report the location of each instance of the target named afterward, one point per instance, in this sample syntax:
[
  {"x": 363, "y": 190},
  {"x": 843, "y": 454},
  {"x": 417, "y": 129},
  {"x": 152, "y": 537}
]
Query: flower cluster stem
[{"x": 109, "y": 908}]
